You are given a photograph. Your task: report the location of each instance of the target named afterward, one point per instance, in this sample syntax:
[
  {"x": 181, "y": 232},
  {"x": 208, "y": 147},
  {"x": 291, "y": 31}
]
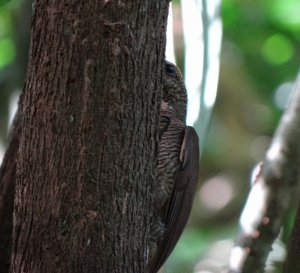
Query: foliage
[
  {"x": 266, "y": 34},
  {"x": 259, "y": 60}
]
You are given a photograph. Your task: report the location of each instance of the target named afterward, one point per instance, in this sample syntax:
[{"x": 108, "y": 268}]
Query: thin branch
[{"x": 269, "y": 198}]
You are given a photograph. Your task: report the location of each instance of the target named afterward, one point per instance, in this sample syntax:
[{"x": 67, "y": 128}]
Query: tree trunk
[{"x": 88, "y": 146}]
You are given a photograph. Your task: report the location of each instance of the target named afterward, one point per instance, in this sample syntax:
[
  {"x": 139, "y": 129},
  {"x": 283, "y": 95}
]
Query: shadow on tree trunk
[{"x": 7, "y": 192}]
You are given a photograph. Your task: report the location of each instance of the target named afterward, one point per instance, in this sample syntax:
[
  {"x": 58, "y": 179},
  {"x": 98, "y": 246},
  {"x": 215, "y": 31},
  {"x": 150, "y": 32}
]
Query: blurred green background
[{"x": 259, "y": 61}]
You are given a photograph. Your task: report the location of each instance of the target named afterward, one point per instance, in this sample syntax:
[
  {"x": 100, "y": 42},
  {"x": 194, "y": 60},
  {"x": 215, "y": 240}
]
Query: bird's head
[{"x": 174, "y": 91}]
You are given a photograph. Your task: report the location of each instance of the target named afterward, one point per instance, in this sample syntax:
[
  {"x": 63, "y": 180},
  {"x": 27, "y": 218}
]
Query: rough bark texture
[{"x": 86, "y": 162}]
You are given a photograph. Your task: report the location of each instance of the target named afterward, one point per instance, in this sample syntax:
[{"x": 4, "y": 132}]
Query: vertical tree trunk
[{"x": 87, "y": 155}]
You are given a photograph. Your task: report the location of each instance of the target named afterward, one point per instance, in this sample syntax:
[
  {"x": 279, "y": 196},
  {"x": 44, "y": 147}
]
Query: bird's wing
[{"x": 182, "y": 198}]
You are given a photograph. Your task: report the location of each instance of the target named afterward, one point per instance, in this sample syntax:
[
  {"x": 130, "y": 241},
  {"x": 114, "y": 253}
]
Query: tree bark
[{"x": 88, "y": 146}]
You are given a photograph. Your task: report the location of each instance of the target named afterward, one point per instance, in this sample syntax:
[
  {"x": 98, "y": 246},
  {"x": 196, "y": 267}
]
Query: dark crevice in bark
[
  {"x": 292, "y": 263},
  {"x": 7, "y": 192}
]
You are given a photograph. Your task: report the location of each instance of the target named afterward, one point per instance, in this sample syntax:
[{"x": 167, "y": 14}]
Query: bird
[{"x": 177, "y": 170}]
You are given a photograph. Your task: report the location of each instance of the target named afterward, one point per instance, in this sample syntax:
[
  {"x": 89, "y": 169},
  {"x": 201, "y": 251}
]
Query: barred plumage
[{"x": 177, "y": 170}]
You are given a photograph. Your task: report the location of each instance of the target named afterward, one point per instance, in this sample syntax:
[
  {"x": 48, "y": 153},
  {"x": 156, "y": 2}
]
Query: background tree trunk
[{"x": 86, "y": 161}]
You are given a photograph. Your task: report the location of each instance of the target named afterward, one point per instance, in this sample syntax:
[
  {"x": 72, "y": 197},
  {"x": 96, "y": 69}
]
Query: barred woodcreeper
[{"x": 177, "y": 170}]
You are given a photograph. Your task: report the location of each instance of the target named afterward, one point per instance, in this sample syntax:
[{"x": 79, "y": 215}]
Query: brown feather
[{"x": 182, "y": 198}]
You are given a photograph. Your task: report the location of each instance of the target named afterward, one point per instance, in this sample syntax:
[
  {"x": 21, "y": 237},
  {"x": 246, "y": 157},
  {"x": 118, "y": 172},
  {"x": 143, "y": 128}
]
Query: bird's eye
[{"x": 170, "y": 69}]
